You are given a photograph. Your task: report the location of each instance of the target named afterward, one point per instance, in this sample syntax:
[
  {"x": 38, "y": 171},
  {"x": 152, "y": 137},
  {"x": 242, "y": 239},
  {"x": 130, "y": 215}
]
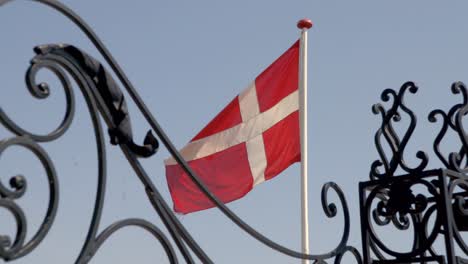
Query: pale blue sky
[{"x": 188, "y": 59}]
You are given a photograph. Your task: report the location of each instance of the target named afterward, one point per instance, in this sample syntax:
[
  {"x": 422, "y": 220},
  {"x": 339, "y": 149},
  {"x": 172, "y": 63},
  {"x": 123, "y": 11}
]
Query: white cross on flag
[{"x": 253, "y": 139}]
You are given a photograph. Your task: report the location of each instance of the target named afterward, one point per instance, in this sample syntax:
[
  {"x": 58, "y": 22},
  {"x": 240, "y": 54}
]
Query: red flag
[{"x": 253, "y": 139}]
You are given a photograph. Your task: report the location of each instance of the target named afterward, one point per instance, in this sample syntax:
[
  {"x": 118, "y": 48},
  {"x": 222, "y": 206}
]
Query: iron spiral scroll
[
  {"x": 397, "y": 145},
  {"x": 176, "y": 237}
]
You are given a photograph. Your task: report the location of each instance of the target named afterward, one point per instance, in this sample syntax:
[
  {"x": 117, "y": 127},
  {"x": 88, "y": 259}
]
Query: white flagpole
[{"x": 303, "y": 25}]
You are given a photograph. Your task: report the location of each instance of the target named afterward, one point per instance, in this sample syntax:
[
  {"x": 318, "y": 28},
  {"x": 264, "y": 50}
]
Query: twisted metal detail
[
  {"x": 413, "y": 213},
  {"x": 453, "y": 120},
  {"x": 386, "y": 130}
]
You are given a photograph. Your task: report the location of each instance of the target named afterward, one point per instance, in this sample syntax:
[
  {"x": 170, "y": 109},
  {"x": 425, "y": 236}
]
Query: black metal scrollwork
[
  {"x": 387, "y": 130},
  {"x": 453, "y": 120},
  {"x": 438, "y": 209},
  {"x": 405, "y": 211},
  {"x": 456, "y": 163},
  {"x": 18, "y": 247},
  {"x": 401, "y": 201}
]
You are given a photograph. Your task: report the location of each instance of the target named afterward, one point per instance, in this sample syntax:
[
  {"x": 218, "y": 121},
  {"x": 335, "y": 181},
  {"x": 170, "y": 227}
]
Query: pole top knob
[{"x": 304, "y": 23}]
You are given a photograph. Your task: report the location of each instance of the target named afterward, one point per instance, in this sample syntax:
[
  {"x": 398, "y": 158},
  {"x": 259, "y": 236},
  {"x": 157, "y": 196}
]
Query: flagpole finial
[{"x": 304, "y": 24}]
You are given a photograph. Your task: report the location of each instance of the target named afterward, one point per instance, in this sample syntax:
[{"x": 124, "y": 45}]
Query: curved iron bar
[
  {"x": 19, "y": 248},
  {"x": 384, "y": 160},
  {"x": 41, "y": 91},
  {"x": 459, "y": 203},
  {"x": 425, "y": 222},
  {"x": 386, "y": 129},
  {"x": 382, "y": 195},
  {"x": 17, "y": 212},
  {"x": 349, "y": 249},
  {"x": 457, "y": 113},
  {"x": 445, "y": 125},
  {"x": 420, "y": 154},
  {"x": 145, "y": 225},
  {"x": 162, "y": 135},
  {"x": 460, "y": 87}
]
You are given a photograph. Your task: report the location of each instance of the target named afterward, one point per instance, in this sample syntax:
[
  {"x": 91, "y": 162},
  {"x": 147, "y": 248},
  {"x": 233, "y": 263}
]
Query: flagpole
[{"x": 303, "y": 25}]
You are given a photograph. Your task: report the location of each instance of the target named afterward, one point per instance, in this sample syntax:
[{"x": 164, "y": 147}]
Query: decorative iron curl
[
  {"x": 461, "y": 206},
  {"x": 453, "y": 120},
  {"x": 386, "y": 129},
  {"x": 42, "y": 91},
  {"x": 348, "y": 249},
  {"x": 414, "y": 212},
  {"x": 330, "y": 210},
  {"x": 10, "y": 250}
]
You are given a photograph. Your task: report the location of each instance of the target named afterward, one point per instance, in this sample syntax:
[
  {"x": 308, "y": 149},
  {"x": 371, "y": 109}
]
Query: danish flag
[{"x": 253, "y": 139}]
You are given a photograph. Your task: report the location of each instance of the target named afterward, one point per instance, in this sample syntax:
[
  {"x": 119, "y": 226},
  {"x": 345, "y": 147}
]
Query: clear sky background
[{"x": 188, "y": 59}]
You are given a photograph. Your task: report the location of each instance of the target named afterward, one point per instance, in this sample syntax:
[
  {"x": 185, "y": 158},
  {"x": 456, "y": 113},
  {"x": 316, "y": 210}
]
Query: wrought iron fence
[{"x": 431, "y": 202}]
